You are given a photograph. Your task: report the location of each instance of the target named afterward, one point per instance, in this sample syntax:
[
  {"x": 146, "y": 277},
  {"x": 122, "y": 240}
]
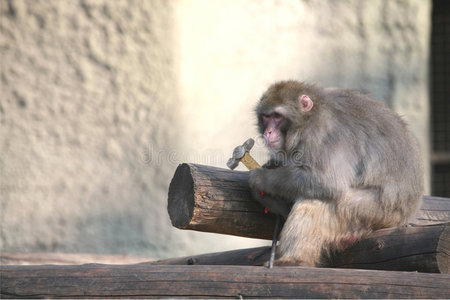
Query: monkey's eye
[
  {"x": 265, "y": 118},
  {"x": 277, "y": 116},
  {"x": 272, "y": 117}
]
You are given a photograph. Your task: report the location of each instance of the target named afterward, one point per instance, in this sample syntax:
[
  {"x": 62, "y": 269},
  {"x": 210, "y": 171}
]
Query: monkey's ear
[{"x": 305, "y": 103}]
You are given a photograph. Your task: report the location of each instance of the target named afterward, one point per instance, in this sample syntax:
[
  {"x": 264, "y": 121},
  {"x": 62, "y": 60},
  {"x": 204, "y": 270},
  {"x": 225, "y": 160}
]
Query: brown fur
[{"x": 348, "y": 166}]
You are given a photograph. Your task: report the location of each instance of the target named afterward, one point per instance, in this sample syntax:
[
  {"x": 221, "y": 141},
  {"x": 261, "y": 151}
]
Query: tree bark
[
  {"x": 211, "y": 199},
  {"x": 157, "y": 281}
]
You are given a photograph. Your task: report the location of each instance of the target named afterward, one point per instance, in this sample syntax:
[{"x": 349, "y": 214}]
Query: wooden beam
[
  {"x": 218, "y": 200},
  {"x": 422, "y": 249},
  {"x": 157, "y": 281}
]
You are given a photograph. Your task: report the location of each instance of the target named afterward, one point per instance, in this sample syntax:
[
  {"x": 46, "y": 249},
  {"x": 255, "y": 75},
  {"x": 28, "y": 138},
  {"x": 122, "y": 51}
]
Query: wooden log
[
  {"x": 157, "y": 281},
  {"x": 412, "y": 248},
  {"x": 211, "y": 199},
  {"x": 241, "y": 257},
  {"x": 422, "y": 249},
  {"x": 434, "y": 210}
]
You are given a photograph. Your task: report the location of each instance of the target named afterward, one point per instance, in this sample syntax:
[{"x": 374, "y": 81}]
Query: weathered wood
[
  {"x": 157, "y": 281},
  {"x": 210, "y": 199},
  {"x": 422, "y": 249},
  {"x": 434, "y": 210},
  {"x": 218, "y": 200},
  {"x": 242, "y": 257},
  {"x": 412, "y": 248}
]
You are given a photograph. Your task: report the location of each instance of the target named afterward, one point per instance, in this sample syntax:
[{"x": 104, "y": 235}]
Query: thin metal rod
[{"x": 274, "y": 242}]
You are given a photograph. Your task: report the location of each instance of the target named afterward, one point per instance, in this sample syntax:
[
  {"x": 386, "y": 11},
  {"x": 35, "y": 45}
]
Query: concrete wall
[{"x": 100, "y": 100}]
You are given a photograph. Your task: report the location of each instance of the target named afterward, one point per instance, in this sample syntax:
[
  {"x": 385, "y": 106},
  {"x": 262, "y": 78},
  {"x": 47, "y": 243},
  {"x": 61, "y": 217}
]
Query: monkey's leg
[
  {"x": 364, "y": 209},
  {"x": 311, "y": 227}
]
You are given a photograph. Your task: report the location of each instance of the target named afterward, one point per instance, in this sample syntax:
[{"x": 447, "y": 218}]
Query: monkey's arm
[{"x": 290, "y": 183}]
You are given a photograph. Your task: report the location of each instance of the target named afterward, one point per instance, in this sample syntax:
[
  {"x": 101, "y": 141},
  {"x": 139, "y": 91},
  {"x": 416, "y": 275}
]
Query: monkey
[{"x": 341, "y": 166}]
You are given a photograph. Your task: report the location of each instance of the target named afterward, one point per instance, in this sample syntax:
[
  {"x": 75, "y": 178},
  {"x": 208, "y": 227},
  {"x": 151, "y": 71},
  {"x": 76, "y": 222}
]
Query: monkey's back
[{"x": 379, "y": 147}]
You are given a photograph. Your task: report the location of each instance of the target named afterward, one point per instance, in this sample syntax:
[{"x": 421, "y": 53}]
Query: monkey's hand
[
  {"x": 256, "y": 178},
  {"x": 272, "y": 164},
  {"x": 274, "y": 204}
]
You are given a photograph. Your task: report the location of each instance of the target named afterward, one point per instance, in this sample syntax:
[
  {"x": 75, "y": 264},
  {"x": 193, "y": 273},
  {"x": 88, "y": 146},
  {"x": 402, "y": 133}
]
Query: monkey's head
[{"x": 282, "y": 111}]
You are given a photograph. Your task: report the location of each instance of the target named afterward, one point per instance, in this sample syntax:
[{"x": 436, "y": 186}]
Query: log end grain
[{"x": 181, "y": 197}]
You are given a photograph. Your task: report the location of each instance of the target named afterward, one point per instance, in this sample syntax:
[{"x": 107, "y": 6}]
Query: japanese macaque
[{"x": 342, "y": 166}]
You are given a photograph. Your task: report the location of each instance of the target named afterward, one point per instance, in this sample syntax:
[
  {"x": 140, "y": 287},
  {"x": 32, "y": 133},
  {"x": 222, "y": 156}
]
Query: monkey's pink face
[{"x": 273, "y": 135}]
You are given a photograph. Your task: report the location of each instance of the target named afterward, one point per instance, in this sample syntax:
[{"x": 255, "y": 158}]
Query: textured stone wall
[
  {"x": 86, "y": 86},
  {"x": 100, "y": 100}
]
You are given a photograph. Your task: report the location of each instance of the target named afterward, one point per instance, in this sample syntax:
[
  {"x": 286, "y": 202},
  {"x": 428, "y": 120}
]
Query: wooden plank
[{"x": 157, "y": 281}]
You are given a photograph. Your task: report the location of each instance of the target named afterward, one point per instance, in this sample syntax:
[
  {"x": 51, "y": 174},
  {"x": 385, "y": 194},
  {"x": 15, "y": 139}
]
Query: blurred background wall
[{"x": 101, "y": 100}]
